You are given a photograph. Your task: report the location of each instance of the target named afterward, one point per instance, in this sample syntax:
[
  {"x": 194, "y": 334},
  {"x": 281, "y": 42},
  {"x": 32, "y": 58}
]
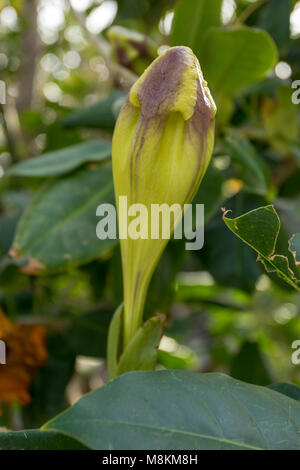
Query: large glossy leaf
[
  {"x": 235, "y": 58},
  {"x": 59, "y": 227},
  {"x": 34, "y": 439},
  {"x": 63, "y": 161},
  {"x": 200, "y": 15},
  {"x": 260, "y": 229},
  {"x": 182, "y": 410},
  {"x": 98, "y": 115}
]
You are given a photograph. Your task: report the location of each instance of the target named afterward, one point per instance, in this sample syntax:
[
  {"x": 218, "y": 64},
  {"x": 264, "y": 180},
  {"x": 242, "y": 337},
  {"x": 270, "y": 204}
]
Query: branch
[{"x": 29, "y": 40}]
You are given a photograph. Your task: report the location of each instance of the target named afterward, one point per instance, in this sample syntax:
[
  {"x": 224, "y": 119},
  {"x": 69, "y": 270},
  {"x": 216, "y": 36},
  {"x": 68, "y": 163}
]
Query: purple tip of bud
[
  {"x": 158, "y": 92},
  {"x": 171, "y": 83}
]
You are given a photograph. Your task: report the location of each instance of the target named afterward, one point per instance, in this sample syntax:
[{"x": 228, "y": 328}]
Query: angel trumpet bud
[{"x": 162, "y": 145}]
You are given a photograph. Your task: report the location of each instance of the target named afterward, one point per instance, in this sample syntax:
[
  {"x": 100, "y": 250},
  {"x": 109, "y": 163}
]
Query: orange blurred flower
[{"x": 25, "y": 353}]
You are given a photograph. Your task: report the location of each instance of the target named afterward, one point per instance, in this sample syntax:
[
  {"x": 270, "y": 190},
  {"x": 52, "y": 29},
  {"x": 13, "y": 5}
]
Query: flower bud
[
  {"x": 132, "y": 49},
  {"x": 162, "y": 145}
]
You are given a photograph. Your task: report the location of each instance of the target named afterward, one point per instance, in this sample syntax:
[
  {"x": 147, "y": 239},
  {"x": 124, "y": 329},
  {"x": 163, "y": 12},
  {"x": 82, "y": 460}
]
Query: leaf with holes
[{"x": 260, "y": 229}]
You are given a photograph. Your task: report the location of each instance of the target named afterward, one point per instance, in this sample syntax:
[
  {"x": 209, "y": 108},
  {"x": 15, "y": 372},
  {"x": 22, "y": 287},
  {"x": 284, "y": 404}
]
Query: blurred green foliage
[{"x": 226, "y": 313}]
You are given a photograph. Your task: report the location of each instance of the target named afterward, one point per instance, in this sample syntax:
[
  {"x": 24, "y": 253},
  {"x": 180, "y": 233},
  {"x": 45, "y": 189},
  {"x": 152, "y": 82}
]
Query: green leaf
[
  {"x": 98, "y": 115},
  {"x": 199, "y": 15},
  {"x": 235, "y": 58},
  {"x": 181, "y": 410},
  {"x": 249, "y": 365},
  {"x": 294, "y": 247},
  {"x": 141, "y": 351},
  {"x": 58, "y": 229},
  {"x": 290, "y": 390},
  {"x": 249, "y": 165},
  {"x": 34, "y": 439},
  {"x": 260, "y": 229},
  {"x": 63, "y": 161}
]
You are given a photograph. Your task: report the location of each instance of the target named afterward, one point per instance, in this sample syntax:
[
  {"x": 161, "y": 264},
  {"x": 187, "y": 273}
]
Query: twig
[{"x": 29, "y": 44}]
